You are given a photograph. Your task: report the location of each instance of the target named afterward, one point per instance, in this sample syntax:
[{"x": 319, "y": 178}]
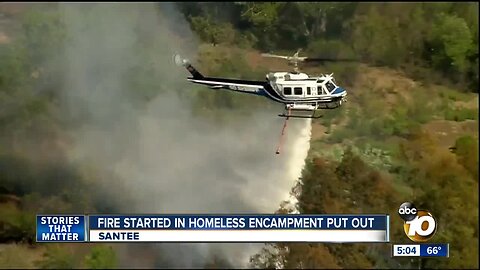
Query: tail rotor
[{"x": 179, "y": 61}]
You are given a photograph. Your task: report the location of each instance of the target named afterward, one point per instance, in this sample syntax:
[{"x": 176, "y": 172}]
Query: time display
[{"x": 406, "y": 250}]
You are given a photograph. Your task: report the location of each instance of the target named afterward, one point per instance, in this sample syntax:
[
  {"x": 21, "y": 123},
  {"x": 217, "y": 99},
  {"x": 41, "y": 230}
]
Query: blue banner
[
  {"x": 434, "y": 250},
  {"x": 238, "y": 222},
  {"x": 61, "y": 228}
]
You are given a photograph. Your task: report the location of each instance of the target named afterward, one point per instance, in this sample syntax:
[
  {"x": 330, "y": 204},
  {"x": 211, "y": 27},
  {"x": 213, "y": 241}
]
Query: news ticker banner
[
  {"x": 213, "y": 228},
  {"x": 421, "y": 250}
]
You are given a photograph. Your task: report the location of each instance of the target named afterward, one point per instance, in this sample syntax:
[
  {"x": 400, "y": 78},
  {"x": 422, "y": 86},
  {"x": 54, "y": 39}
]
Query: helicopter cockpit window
[
  {"x": 330, "y": 86},
  {"x": 298, "y": 91},
  {"x": 287, "y": 91}
]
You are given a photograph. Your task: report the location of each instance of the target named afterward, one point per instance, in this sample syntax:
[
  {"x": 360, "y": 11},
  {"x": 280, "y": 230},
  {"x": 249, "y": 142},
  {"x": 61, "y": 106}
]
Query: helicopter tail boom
[
  {"x": 195, "y": 73},
  {"x": 238, "y": 85},
  {"x": 184, "y": 62}
]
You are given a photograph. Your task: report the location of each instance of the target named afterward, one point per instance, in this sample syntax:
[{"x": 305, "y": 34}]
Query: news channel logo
[{"x": 419, "y": 225}]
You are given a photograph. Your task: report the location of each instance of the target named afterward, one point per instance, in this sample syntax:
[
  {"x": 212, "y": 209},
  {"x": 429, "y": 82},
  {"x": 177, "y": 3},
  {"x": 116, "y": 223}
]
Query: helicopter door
[{"x": 320, "y": 90}]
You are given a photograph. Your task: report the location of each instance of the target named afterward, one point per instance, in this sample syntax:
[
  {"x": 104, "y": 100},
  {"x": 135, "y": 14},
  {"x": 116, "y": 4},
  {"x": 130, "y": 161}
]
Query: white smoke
[{"x": 170, "y": 160}]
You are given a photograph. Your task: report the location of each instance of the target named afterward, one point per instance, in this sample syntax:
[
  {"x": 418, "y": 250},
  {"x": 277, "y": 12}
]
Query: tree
[
  {"x": 262, "y": 14},
  {"x": 290, "y": 28},
  {"x": 377, "y": 39},
  {"x": 453, "y": 42},
  {"x": 212, "y": 32},
  {"x": 261, "y": 19}
]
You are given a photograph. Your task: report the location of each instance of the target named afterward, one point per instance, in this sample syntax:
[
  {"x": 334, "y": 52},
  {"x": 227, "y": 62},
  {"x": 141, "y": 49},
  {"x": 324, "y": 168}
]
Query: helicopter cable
[{"x": 283, "y": 131}]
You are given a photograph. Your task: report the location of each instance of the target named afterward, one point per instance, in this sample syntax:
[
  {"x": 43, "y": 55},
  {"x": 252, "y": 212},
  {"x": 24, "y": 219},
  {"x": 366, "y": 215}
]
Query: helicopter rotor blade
[
  {"x": 275, "y": 56},
  {"x": 308, "y": 59},
  {"x": 321, "y": 59},
  {"x": 295, "y": 60}
]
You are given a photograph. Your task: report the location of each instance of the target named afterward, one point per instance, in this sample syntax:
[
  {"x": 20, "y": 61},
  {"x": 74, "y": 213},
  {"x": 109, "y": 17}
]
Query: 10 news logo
[{"x": 419, "y": 225}]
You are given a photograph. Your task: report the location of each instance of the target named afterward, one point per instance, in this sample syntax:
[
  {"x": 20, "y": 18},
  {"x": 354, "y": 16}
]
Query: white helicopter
[{"x": 298, "y": 91}]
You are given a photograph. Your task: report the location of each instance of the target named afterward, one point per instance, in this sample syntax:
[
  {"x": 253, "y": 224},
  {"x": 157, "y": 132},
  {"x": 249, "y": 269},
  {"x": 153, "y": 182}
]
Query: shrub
[
  {"x": 101, "y": 257},
  {"x": 461, "y": 114}
]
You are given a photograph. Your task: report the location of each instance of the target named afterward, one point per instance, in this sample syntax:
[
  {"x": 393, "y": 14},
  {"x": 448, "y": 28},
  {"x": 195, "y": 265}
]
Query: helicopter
[
  {"x": 302, "y": 94},
  {"x": 297, "y": 90}
]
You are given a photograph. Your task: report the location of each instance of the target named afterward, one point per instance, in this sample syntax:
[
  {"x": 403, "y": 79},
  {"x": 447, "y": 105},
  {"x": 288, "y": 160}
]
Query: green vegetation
[
  {"x": 461, "y": 114},
  {"x": 101, "y": 257},
  {"x": 375, "y": 154},
  {"x": 19, "y": 256},
  {"x": 432, "y": 41},
  {"x": 466, "y": 149},
  {"x": 57, "y": 257},
  {"x": 17, "y": 225},
  {"x": 436, "y": 180},
  {"x": 332, "y": 187}
]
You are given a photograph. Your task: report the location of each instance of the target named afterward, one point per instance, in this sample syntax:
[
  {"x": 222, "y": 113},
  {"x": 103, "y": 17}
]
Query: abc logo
[{"x": 419, "y": 225}]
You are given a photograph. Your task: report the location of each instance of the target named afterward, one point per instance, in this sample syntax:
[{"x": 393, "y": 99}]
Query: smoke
[{"x": 168, "y": 159}]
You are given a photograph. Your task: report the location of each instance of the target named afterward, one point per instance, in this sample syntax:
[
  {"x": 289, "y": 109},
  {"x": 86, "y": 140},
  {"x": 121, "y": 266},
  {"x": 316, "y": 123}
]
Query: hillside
[
  {"x": 447, "y": 113},
  {"x": 380, "y": 90},
  {"x": 378, "y": 151}
]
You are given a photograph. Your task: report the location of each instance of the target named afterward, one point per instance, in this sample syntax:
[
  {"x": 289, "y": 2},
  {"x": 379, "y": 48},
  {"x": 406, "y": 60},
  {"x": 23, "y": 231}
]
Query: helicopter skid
[
  {"x": 300, "y": 113},
  {"x": 300, "y": 116}
]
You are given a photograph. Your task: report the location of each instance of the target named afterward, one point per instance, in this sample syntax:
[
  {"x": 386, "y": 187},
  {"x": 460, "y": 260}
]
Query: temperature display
[
  {"x": 434, "y": 250},
  {"x": 421, "y": 250}
]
